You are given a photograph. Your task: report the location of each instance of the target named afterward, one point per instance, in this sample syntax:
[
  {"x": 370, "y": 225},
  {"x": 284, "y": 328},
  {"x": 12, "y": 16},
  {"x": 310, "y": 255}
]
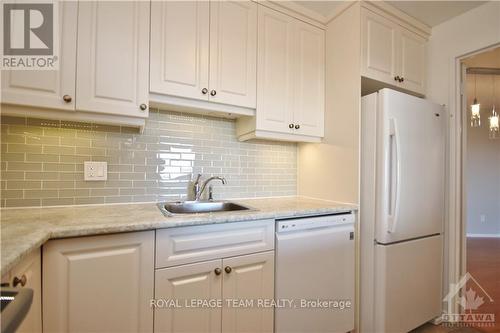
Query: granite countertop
[{"x": 26, "y": 229}]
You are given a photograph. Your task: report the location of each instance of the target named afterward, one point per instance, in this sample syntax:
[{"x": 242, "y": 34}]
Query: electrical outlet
[
  {"x": 95, "y": 171},
  {"x": 482, "y": 217}
]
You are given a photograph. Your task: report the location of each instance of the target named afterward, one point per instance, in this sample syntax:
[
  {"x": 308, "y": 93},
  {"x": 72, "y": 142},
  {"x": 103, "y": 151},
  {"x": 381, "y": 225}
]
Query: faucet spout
[{"x": 199, "y": 191}]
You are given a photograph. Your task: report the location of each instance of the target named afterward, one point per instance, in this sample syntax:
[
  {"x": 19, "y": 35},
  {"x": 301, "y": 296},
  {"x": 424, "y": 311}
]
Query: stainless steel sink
[{"x": 197, "y": 207}]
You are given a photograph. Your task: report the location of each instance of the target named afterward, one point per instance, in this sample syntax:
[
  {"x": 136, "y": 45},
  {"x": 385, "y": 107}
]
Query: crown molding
[
  {"x": 295, "y": 10},
  {"x": 307, "y": 15}
]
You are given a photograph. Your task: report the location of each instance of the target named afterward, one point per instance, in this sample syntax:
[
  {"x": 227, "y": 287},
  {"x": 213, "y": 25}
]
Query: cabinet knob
[
  {"x": 401, "y": 79},
  {"x": 228, "y": 269},
  {"x": 396, "y": 78},
  {"x": 217, "y": 271},
  {"x": 67, "y": 98},
  {"x": 213, "y": 93},
  {"x": 290, "y": 126},
  {"x": 143, "y": 107},
  {"x": 204, "y": 91},
  {"x": 297, "y": 126},
  {"x": 18, "y": 281}
]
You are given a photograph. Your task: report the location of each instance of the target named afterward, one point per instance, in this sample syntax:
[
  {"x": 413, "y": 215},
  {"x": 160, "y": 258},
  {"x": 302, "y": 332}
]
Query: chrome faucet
[{"x": 199, "y": 188}]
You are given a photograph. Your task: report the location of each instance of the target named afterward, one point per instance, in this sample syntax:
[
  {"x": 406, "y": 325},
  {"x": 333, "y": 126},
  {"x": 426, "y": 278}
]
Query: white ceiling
[
  {"x": 324, "y": 8},
  {"x": 431, "y": 13}
]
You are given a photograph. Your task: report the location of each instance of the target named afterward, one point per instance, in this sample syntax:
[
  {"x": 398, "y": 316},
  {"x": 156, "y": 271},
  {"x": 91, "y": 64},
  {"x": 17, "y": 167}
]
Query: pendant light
[
  {"x": 494, "y": 120},
  {"x": 475, "y": 117}
]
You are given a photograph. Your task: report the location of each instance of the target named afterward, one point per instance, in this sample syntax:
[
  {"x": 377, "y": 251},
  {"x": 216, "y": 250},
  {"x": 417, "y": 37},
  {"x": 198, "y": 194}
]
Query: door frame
[{"x": 456, "y": 251}]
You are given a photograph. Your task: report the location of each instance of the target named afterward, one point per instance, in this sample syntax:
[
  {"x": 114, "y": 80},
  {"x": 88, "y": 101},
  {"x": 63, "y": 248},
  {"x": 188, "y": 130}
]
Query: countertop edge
[{"x": 58, "y": 232}]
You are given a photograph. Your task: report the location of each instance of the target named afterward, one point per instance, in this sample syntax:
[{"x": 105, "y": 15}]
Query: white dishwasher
[{"x": 315, "y": 274}]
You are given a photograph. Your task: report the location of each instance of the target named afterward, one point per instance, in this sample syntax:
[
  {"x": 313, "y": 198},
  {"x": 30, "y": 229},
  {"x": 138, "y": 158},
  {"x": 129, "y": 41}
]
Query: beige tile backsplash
[{"x": 42, "y": 161}]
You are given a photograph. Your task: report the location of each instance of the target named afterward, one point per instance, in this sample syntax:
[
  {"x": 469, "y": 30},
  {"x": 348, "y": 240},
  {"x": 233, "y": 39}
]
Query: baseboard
[
  {"x": 437, "y": 321},
  {"x": 483, "y": 235}
]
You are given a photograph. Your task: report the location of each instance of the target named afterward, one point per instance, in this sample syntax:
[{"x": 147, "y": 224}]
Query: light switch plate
[{"x": 95, "y": 171}]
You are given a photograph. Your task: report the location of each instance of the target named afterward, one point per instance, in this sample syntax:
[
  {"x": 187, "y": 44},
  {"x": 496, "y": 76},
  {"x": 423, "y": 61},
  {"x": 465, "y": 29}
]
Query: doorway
[{"x": 481, "y": 188}]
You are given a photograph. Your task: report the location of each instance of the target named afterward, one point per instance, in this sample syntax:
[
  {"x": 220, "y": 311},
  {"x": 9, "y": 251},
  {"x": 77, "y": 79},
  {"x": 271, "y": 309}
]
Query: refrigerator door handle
[{"x": 394, "y": 176}]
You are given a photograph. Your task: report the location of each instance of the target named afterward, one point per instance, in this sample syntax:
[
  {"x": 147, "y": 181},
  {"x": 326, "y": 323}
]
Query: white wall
[
  {"x": 476, "y": 29},
  {"x": 483, "y": 159},
  {"x": 330, "y": 170},
  {"x": 471, "y": 31}
]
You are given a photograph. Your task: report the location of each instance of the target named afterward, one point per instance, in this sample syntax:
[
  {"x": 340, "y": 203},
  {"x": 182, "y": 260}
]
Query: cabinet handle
[
  {"x": 297, "y": 126},
  {"x": 204, "y": 91},
  {"x": 397, "y": 78},
  {"x": 213, "y": 93},
  {"x": 21, "y": 281},
  {"x": 67, "y": 98},
  {"x": 217, "y": 271},
  {"x": 228, "y": 269},
  {"x": 401, "y": 79},
  {"x": 290, "y": 126},
  {"x": 143, "y": 107}
]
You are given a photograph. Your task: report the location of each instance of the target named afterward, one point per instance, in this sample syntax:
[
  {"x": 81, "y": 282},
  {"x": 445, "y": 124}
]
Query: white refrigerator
[{"x": 401, "y": 211}]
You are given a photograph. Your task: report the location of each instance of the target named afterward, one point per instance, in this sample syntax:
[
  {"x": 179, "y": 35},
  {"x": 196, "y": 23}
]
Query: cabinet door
[
  {"x": 309, "y": 102},
  {"x": 250, "y": 277},
  {"x": 233, "y": 52},
  {"x": 113, "y": 57},
  {"x": 180, "y": 48},
  {"x": 30, "y": 269},
  {"x": 378, "y": 58},
  {"x": 46, "y": 88},
  {"x": 183, "y": 284},
  {"x": 99, "y": 284},
  {"x": 412, "y": 59},
  {"x": 275, "y": 73}
]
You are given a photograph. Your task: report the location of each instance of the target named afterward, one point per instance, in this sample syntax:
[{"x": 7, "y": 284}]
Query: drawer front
[{"x": 177, "y": 246}]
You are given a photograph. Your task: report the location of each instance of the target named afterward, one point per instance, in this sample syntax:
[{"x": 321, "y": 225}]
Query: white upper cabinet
[
  {"x": 47, "y": 88},
  {"x": 113, "y": 57},
  {"x": 309, "y": 102},
  {"x": 180, "y": 48},
  {"x": 391, "y": 53},
  {"x": 412, "y": 59},
  {"x": 204, "y": 55},
  {"x": 290, "y": 81},
  {"x": 275, "y": 71},
  {"x": 233, "y": 52},
  {"x": 379, "y": 47}
]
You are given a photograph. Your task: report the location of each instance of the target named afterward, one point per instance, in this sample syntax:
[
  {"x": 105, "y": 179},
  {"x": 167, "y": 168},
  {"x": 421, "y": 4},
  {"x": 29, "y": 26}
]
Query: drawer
[{"x": 182, "y": 245}]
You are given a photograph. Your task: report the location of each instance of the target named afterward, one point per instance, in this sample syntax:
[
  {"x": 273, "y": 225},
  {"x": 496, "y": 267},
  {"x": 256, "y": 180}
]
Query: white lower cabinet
[
  {"x": 99, "y": 283},
  {"x": 184, "y": 284},
  {"x": 27, "y": 274},
  {"x": 250, "y": 277},
  {"x": 223, "y": 282}
]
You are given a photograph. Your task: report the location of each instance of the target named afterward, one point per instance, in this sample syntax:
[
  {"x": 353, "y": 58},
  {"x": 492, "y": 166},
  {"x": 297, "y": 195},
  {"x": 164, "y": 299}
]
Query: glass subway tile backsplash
[{"x": 42, "y": 161}]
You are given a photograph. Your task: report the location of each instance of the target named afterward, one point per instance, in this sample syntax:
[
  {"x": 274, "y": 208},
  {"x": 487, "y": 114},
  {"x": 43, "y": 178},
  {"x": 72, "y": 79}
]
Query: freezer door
[
  {"x": 407, "y": 284},
  {"x": 410, "y": 167}
]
